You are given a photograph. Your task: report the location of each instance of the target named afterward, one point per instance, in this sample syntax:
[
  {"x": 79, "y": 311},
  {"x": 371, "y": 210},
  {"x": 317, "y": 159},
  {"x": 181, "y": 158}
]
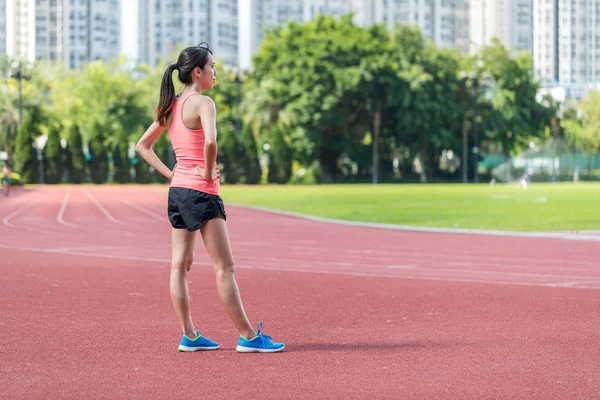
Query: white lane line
[
  {"x": 63, "y": 207},
  {"x": 426, "y": 267},
  {"x": 385, "y": 254},
  {"x": 432, "y": 256},
  {"x": 104, "y": 210},
  {"x": 147, "y": 212},
  {"x": 14, "y": 213},
  {"x": 7, "y": 218},
  {"x": 80, "y": 253},
  {"x": 580, "y": 285},
  {"x": 70, "y": 249},
  {"x": 565, "y": 284}
]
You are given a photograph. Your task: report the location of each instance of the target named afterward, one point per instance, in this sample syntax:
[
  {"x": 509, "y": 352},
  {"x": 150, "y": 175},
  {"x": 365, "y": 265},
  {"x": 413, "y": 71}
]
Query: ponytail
[{"x": 167, "y": 96}]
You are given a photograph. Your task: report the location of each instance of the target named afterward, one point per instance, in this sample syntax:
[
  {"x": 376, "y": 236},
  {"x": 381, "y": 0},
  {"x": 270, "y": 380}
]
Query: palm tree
[
  {"x": 263, "y": 108},
  {"x": 9, "y": 118}
]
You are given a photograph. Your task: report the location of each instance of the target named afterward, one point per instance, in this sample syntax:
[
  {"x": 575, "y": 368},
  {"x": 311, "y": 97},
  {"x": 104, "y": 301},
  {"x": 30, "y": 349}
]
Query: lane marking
[
  {"x": 7, "y": 218},
  {"x": 303, "y": 270},
  {"x": 14, "y": 213},
  {"x": 63, "y": 207},
  {"x": 145, "y": 211},
  {"x": 104, "y": 210}
]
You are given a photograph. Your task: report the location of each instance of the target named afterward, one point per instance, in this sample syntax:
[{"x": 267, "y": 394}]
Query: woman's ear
[{"x": 198, "y": 71}]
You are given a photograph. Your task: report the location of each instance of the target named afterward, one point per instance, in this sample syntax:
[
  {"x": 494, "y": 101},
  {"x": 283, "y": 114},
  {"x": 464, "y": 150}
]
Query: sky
[{"x": 129, "y": 31}]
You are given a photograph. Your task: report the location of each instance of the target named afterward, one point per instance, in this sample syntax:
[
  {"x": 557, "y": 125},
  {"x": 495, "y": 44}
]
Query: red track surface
[{"x": 365, "y": 313}]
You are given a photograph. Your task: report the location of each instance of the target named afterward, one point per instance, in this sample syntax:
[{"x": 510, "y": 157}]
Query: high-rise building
[
  {"x": 166, "y": 26},
  {"x": 509, "y": 21},
  {"x": 462, "y": 25},
  {"x": 446, "y": 22},
  {"x": 22, "y": 26},
  {"x": 567, "y": 41},
  {"x": 2, "y": 27},
  {"x": 312, "y": 8},
  {"x": 266, "y": 14},
  {"x": 91, "y": 30},
  {"x": 73, "y": 31}
]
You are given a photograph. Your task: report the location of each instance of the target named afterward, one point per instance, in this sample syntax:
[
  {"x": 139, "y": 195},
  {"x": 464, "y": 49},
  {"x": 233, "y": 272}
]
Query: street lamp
[
  {"x": 464, "y": 76},
  {"x": 238, "y": 100},
  {"x": 18, "y": 67},
  {"x": 475, "y": 132},
  {"x": 15, "y": 71},
  {"x": 265, "y": 159},
  {"x": 480, "y": 82}
]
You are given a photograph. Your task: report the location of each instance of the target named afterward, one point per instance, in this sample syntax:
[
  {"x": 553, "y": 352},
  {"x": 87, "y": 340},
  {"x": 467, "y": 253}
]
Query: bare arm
[
  {"x": 208, "y": 115},
  {"x": 144, "y": 148}
]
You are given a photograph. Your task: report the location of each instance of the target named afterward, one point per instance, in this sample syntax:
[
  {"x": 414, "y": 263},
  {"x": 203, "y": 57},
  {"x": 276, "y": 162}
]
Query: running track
[{"x": 365, "y": 313}]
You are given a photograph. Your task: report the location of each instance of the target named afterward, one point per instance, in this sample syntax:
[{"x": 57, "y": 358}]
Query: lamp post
[
  {"x": 266, "y": 158},
  {"x": 464, "y": 77},
  {"x": 238, "y": 100},
  {"x": 17, "y": 73},
  {"x": 17, "y": 67},
  {"x": 19, "y": 77},
  {"x": 478, "y": 82},
  {"x": 475, "y": 132},
  {"x": 473, "y": 78}
]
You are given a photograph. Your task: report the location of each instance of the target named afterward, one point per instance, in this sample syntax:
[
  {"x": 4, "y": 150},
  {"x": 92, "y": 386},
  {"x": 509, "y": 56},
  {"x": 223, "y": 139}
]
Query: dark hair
[{"x": 189, "y": 59}]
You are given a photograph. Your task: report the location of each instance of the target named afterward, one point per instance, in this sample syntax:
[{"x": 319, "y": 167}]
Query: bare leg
[
  {"x": 183, "y": 243},
  {"x": 6, "y": 188},
  {"x": 216, "y": 240}
]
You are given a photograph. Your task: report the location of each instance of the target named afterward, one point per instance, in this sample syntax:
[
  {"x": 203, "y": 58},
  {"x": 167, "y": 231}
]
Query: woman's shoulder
[{"x": 203, "y": 100}]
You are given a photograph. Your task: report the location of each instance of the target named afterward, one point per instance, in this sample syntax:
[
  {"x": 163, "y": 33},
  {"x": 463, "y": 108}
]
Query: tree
[
  {"x": 252, "y": 170},
  {"x": 162, "y": 149},
  {"x": 142, "y": 171},
  {"x": 108, "y": 96},
  {"x": 280, "y": 159},
  {"x": 510, "y": 106},
  {"x": 98, "y": 154},
  {"x": 8, "y": 118},
  {"x": 53, "y": 163},
  {"x": 75, "y": 159},
  {"x": 35, "y": 88},
  {"x": 385, "y": 76},
  {"x": 583, "y": 126},
  {"x": 310, "y": 74},
  {"x": 25, "y": 157},
  {"x": 232, "y": 156},
  {"x": 121, "y": 163},
  {"x": 438, "y": 103}
]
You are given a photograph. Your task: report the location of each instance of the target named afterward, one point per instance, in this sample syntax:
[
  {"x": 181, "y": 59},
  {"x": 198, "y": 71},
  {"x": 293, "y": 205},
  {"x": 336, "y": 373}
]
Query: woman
[
  {"x": 194, "y": 202},
  {"x": 6, "y": 172}
]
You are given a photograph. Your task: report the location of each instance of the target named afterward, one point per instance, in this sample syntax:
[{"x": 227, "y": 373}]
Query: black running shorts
[{"x": 190, "y": 209}]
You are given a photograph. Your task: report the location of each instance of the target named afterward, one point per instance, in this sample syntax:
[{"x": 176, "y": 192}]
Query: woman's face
[{"x": 209, "y": 74}]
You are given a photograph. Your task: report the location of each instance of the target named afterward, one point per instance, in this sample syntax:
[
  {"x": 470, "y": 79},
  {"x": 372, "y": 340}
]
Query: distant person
[
  {"x": 529, "y": 175},
  {"x": 6, "y": 172},
  {"x": 194, "y": 202}
]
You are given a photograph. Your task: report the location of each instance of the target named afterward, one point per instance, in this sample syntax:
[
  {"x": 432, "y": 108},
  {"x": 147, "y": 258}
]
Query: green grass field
[{"x": 542, "y": 207}]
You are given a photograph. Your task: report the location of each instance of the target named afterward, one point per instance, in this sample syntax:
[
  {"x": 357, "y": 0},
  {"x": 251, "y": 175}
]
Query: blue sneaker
[
  {"x": 260, "y": 344},
  {"x": 200, "y": 343}
]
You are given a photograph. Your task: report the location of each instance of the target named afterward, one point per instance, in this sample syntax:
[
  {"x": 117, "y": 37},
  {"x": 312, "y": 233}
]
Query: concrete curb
[{"x": 546, "y": 235}]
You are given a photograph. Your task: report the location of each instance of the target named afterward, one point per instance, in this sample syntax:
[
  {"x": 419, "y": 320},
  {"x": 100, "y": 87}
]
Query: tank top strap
[
  {"x": 187, "y": 96},
  {"x": 181, "y": 102}
]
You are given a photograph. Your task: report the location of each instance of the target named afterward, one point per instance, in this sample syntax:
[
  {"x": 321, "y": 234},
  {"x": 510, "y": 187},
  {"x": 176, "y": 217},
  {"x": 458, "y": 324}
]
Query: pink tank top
[{"x": 188, "y": 145}]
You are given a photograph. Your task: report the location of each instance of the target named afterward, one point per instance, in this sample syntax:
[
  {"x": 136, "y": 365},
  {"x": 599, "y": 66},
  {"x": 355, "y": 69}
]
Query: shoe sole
[
  {"x": 189, "y": 349},
  {"x": 243, "y": 349}
]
